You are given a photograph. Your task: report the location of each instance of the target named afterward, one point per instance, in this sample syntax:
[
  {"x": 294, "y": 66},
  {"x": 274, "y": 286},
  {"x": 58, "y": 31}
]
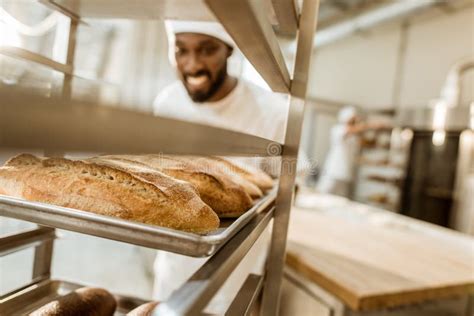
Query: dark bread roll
[{"x": 84, "y": 301}]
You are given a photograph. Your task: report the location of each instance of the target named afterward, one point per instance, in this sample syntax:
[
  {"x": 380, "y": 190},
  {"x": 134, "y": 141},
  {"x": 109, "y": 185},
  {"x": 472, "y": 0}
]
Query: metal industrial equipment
[
  {"x": 441, "y": 162},
  {"x": 57, "y": 125}
]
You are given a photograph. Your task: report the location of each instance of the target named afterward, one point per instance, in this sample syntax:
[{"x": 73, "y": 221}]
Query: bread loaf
[
  {"x": 251, "y": 174},
  {"x": 146, "y": 196},
  {"x": 217, "y": 168},
  {"x": 226, "y": 197},
  {"x": 84, "y": 301},
  {"x": 143, "y": 310}
]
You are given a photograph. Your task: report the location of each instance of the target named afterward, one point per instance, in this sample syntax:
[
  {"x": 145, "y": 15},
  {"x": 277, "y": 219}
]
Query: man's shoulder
[
  {"x": 170, "y": 89},
  {"x": 265, "y": 99},
  {"x": 167, "y": 97}
]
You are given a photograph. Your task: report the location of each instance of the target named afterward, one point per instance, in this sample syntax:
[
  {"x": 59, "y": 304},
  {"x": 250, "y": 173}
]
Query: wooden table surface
[{"x": 373, "y": 259}]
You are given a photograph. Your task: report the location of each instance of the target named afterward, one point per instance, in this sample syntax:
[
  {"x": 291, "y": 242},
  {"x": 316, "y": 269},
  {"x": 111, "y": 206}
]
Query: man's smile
[{"x": 197, "y": 81}]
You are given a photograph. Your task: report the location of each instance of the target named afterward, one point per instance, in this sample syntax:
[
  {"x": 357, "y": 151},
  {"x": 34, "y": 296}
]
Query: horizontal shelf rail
[
  {"x": 248, "y": 24},
  {"x": 26, "y": 239},
  {"x": 150, "y": 236},
  {"x": 245, "y": 300},
  {"x": 20, "y": 53},
  {"x": 287, "y": 17},
  {"x": 194, "y": 295},
  {"x": 33, "y": 122},
  {"x": 137, "y": 9}
]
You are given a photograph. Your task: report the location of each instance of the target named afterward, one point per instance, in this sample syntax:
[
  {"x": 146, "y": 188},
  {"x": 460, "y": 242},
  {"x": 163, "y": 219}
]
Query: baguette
[
  {"x": 251, "y": 174},
  {"x": 144, "y": 309},
  {"x": 224, "y": 196},
  {"x": 218, "y": 168},
  {"x": 149, "y": 196},
  {"x": 84, "y": 301}
]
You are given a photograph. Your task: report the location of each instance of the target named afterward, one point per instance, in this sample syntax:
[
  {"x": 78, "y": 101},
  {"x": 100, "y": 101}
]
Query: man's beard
[{"x": 201, "y": 97}]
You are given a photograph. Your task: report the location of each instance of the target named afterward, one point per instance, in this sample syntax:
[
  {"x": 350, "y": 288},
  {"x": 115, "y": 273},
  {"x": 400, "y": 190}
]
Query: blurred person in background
[{"x": 337, "y": 174}]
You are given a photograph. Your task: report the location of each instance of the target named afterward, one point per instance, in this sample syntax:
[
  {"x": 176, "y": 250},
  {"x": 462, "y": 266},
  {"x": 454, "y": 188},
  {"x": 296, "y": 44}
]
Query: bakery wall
[
  {"x": 374, "y": 70},
  {"x": 399, "y": 64}
]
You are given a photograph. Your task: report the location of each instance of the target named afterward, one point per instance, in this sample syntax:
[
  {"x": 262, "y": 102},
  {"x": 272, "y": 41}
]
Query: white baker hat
[
  {"x": 346, "y": 114},
  {"x": 213, "y": 29}
]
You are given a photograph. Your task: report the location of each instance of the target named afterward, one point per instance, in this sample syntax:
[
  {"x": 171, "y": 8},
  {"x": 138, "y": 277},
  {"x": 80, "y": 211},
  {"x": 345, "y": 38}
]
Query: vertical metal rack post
[
  {"x": 276, "y": 260},
  {"x": 42, "y": 237},
  {"x": 248, "y": 24}
]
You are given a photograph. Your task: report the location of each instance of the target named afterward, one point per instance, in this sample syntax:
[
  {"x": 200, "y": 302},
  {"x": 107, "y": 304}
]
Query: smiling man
[
  {"x": 207, "y": 94},
  {"x": 202, "y": 64}
]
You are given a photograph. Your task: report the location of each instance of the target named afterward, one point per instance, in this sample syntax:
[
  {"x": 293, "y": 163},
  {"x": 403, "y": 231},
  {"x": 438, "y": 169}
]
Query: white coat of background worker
[
  {"x": 207, "y": 94},
  {"x": 338, "y": 170}
]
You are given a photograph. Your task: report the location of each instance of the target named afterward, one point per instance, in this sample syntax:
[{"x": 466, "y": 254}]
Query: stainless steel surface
[
  {"x": 65, "y": 43},
  {"x": 53, "y": 124},
  {"x": 287, "y": 17},
  {"x": 245, "y": 300},
  {"x": 283, "y": 201},
  {"x": 422, "y": 118},
  {"x": 248, "y": 24},
  {"x": 131, "y": 232},
  {"x": 57, "y": 126},
  {"x": 462, "y": 215},
  {"x": 194, "y": 295},
  {"x": 315, "y": 291},
  {"x": 137, "y": 9},
  {"x": 452, "y": 88},
  {"x": 20, "y": 53},
  {"x": 42, "y": 260},
  {"x": 35, "y": 296},
  {"x": 54, "y": 6},
  {"x": 19, "y": 241}
]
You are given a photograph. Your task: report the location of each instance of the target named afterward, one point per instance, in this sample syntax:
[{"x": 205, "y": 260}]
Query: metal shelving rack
[{"x": 58, "y": 127}]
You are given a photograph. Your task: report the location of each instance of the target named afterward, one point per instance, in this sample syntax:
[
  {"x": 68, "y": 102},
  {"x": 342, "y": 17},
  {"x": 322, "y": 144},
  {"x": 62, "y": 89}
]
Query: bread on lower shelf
[
  {"x": 84, "y": 301},
  {"x": 143, "y": 195},
  {"x": 144, "y": 309}
]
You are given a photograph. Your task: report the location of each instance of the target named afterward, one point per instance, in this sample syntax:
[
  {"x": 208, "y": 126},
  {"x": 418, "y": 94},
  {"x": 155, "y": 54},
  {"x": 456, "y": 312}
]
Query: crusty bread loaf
[
  {"x": 84, "y": 301},
  {"x": 226, "y": 197},
  {"x": 219, "y": 169},
  {"x": 144, "y": 309},
  {"x": 147, "y": 196},
  {"x": 251, "y": 174}
]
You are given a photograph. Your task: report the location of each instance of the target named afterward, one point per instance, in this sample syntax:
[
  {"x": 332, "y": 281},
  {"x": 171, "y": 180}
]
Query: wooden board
[{"x": 371, "y": 265}]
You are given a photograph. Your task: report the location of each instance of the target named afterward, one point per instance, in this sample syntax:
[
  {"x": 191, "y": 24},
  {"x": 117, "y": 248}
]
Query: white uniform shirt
[
  {"x": 249, "y": 109},
  {"x": 340, "y": 160}
]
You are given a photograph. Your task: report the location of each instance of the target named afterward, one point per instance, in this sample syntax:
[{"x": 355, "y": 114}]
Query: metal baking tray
[
  {"x": 31, "y": 298},
  {"x": 150, "y": 236}
]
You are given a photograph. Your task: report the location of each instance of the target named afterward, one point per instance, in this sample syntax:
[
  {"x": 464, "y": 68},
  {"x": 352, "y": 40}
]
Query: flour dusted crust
[
  {"x": 148, "y": 196},
  {"x": 253, "y": 175},
  {"x": 220, "y": 191},
  {"x": 218, "y": 168}
]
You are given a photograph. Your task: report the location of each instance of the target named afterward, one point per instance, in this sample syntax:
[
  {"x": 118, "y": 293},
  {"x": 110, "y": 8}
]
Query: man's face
[{"x": 202, "y": 64}]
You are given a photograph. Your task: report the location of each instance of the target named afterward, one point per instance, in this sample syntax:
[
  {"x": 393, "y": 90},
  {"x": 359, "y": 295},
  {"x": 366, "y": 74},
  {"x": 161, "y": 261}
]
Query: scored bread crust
[
  {"x": 218, "y": 168},
  {"x": 84, "y": 301},
  {"x": 151, "y": 197},
  {"x": 226, "y": 197},
  {"x": 251, "y": 174}
]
